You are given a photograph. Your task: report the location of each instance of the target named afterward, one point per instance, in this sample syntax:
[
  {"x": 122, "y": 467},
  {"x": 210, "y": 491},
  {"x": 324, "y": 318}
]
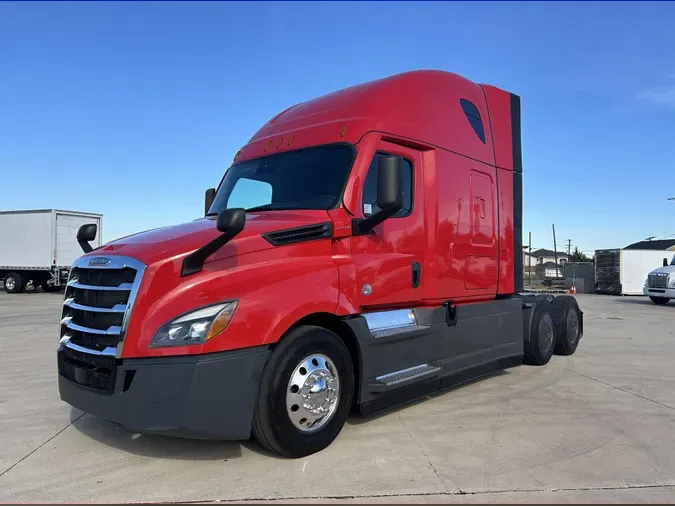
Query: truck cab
[
  {"x": 363, "y": 249},
  {"x": 660, "y": 283}
]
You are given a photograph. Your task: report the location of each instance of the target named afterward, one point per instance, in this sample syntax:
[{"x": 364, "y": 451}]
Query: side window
[
  {"x": 473, "y": 116},
  {"x": 370, "y": 187}
]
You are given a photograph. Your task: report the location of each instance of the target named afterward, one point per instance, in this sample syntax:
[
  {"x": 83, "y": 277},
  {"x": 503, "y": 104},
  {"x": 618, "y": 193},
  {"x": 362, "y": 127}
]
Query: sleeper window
[
  {"x": 370, "y": 188},
  {"x": 472, "y": 114}
]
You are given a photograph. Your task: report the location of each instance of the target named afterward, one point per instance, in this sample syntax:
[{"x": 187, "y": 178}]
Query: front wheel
[
  {"x": 305, "y": 393},
  {"x": 13, "y": 283},
  {"x": 659, "y": 301}
]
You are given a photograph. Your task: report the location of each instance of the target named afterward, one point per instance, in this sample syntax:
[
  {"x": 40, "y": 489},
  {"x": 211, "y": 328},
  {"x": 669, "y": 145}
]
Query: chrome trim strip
[
  {"x": 385, "y": 320},
  {"x": 117, "y": 308},
  {"x": 113, "y": 330},
  {"x": 108, "y": 352},
  {"x": 116, "y": 262},
  {"x": 124, "y": 286},
  {"x": 402, "y": 371}
]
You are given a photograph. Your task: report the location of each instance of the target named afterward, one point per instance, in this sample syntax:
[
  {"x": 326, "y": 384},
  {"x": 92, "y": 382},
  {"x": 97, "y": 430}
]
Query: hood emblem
[{"x": 99, "y": 261}]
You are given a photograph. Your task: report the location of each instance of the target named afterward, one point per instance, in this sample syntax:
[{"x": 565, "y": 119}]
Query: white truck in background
[
  {"x": 624, "y": 271},
  {"x": 660, "y": 283},
  {"x": 37, "y": 247}
]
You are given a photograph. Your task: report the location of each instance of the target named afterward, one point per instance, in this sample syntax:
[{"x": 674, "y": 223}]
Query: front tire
[
  {"x": 13, "y": 283},
  {"x": 659, "y": 301},
  {"x": 305, "y": 394}
]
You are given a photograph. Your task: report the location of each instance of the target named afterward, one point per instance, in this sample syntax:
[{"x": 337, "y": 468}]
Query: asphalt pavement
[{"x": 597, "y": 426}]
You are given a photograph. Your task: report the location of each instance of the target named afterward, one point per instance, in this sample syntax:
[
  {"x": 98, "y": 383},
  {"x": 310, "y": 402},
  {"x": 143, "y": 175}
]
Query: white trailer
[
  {"x": 37, "y": 247},
  {"x": 624, "y": 271}
]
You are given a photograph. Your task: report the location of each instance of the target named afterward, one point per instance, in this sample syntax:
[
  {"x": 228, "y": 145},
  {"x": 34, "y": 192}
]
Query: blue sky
[{"x": 134, "y": 109}]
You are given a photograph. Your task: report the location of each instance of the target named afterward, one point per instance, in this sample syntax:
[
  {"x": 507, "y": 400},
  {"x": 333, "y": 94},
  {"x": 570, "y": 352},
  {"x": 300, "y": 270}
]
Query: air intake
[{"x": 299, "y": 234}]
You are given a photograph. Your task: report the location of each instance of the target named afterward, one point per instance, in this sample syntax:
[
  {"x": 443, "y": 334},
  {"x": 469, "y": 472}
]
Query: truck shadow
[
  {"x": 645, "y": 302},
  {"x": 356, "y": 418},
  {"x": 166, "y": 447},
  {"x": 153, "y": 445}
]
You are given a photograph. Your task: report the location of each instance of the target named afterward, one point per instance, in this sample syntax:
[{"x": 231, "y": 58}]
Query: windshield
[
  {"x": 311, "y": 178},
  {"x": 672, "y": 262}
]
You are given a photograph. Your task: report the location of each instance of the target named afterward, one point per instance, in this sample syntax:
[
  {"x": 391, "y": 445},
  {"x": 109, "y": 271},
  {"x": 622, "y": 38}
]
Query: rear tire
[
  {"x": 567, "y": 321},
  {"x": 539, "y": 349},
  {"x": 50, "y": 288},
  {"x": 13, "y": 283},
  {"x": 659, "y": 301},
  {"x": 283, "y": 418}
]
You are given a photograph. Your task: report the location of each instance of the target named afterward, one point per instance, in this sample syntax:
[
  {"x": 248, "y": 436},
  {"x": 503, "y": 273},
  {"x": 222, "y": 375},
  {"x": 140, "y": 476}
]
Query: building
[
  {"x": 548, "y": 270},
  {"x": 543, "y": 256},
  {"x": 529, "y": 262},
  {"x": 661, "y": 244}
]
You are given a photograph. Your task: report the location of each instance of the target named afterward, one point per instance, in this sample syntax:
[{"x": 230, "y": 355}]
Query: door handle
[{"x": 416, "y": 274}]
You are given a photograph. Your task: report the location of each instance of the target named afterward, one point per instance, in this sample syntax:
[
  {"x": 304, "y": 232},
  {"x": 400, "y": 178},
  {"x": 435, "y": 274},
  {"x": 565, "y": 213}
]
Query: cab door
[{"x": 389, "y": 261}]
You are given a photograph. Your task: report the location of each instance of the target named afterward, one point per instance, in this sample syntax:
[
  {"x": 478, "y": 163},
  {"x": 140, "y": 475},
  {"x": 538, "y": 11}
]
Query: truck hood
[
  {"x": 664, "y": 270},
  {"x": 179, "y": 240}
]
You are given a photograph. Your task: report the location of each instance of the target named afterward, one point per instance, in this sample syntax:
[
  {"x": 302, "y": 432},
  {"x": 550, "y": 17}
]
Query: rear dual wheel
[
  {"x": 305, "y": 394},
  {"x": 555, "y": 328},
  {"x": 539, "y": 349},
  {"x": 567, "y": 321},
  {"x": 50, "y": 288}
]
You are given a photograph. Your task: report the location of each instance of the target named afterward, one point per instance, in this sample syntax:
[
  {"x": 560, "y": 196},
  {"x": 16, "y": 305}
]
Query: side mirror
[
  {"x": 208, "y": 199},
  {"x": 229, "y": 222},
  {"x": 85, "y": 234},
  {"x": 665, "y": 262},
  {"x": 389, "y": 174},
  {"x": 389, "y": 195}
]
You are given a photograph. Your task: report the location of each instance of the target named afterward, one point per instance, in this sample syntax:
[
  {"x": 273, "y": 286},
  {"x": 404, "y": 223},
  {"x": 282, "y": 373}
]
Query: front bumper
[
  {"x": 668, "y": 293},
  {"x": 203, "y": 396}
]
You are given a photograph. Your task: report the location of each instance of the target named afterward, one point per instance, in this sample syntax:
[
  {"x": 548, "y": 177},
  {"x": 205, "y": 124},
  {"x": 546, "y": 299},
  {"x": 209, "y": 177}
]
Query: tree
[{"x": 578, "y": 256}]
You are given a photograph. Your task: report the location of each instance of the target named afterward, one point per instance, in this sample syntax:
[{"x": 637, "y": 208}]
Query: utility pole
[
  {"x": 529, "y": 262},
  {"x": 555, "y": 252},
  {"x": 569, "y": 248}
]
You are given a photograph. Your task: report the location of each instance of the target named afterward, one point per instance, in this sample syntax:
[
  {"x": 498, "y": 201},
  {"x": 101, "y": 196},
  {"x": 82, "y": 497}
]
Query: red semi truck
[{"x": 363, "y": 250}]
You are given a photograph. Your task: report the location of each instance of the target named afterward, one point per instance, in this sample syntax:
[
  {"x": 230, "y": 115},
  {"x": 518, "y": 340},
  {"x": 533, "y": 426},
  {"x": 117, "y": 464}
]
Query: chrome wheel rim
[
  {"x": 572, "y": 325},
  {"x": 313, "y": 393},
  {"x": 546, "y": 332},
  {"x": 10, "y": 283}
]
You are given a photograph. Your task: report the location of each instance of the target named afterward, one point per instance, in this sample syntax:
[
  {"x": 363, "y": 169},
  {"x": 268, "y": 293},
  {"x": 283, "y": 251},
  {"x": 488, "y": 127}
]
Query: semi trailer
[
  {"x": 37, "y": 247},
  {"x": 363, "y": 250}
]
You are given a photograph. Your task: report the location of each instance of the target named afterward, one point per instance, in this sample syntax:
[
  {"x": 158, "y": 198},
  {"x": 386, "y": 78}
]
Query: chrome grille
[
  {"x": 98, "y": 301},
  {"x": 657, "y": 280}
]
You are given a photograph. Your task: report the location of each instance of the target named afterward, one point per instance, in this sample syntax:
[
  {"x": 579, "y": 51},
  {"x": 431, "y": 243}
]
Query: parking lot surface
[{"x": 597, "y": 426}]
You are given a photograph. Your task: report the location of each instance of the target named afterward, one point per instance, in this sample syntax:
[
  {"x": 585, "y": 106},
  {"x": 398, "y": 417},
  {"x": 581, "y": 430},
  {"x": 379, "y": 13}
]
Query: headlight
[
  {"x": 196, "y": 327},
  {"x": 672, "y": 281}
]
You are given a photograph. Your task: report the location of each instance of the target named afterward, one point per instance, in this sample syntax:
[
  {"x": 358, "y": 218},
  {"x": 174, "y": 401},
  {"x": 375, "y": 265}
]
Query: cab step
[
  {"x": 398, "y": 378},
  {"x": 395, "y": 331}
]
